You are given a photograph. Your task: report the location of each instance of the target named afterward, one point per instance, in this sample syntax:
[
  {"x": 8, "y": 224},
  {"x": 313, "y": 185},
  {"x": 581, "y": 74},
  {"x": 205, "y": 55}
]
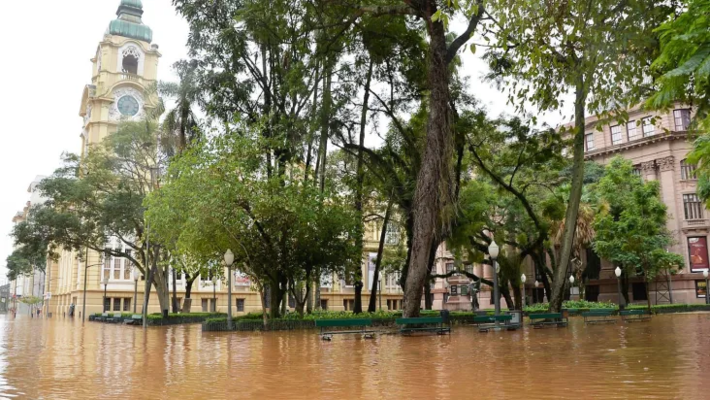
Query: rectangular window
[
  {"x": 107, "y": 304},
  {"x": 348, "y": 304},
  {"x": 449, "y": 267},
  {"x": 693, "y": 206},
  {"x": 701, "y": 289},
  {"x": 682, "y": 119},
  {"x": 240, "y": 305},
  {"x": 616, "y": 134},
  {"x": 392, "y": 235},
  {"x": 589, "y": 141},
  {"x": 469, "y": 268},
  {"x": 116, "y": 304},
  {"x": 127, "y": 304},
  {"x": 454, "y": 290},
  {"x": 205, "y": 305},
  {"x": 127, "y": 267},
  {"x": 647, "y": 126},
  {"x": 631, "y": 131},
  {"x": 107, "y": 266},
  {"x": 116, "y": 268},
  {"x": 687, "y": 171},
  {"x": 698, "y": 253},
  {"x": 324, "y": 304}
]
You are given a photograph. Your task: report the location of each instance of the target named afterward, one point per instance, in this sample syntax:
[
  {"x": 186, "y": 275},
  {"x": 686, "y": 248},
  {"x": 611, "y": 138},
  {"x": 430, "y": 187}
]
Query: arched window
[{"x": 130, "y": 61}]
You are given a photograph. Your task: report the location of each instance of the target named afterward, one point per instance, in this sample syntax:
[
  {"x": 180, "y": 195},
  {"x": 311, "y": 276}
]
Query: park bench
[
  {"x": 545, "y": 319},
  {"x": 323, "y": 324},
  {"x": 488, "y": 322},
  {"x": 116, "y": 319},
  {"x": 635, "y": 315},
  {"x": 423, "y": 324},
  {"x": 599, "y": 316},
  {"x": 136, "y": 319},
  {"x": 102, "y": 318}
]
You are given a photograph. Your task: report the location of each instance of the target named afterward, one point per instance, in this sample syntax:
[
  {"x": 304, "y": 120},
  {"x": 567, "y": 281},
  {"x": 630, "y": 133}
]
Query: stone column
[
  {"x": 648, "y": 170},
  {"x": 666, "y": 167}
]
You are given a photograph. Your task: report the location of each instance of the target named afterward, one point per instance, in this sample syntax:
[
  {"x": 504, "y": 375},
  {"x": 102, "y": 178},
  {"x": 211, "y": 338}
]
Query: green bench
[
  {"x": 136, "y": 319},
  {"x": 635, "y": 315},
  {"x": 102, "y": 318},
  {"x": 544, "y": 319},
  {"x": 487, "y": 322},
  {"x": 116, "y": 319},
  {"x": 422, "y": 324},
  {"x": 599, "y": 316},
  {"x": 362, "y": 323}
]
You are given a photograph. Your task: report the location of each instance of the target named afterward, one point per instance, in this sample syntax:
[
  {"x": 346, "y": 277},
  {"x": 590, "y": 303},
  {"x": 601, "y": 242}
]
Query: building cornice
[{"x": 643, "y": 142}]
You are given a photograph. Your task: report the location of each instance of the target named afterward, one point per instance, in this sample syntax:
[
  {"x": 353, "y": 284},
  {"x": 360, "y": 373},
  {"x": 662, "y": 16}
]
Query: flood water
[{"x": 666, "y": 358}]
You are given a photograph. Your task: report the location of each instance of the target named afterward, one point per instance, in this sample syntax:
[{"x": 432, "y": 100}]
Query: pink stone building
[{"x": 658, "y": 144}]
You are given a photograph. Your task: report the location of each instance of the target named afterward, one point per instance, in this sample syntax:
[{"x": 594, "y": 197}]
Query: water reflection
[{"x": 58, "y": 359}]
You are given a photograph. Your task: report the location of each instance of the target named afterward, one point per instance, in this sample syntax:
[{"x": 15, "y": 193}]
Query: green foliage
[
  {"x": 280, "y": 228},
  {"x": 631, "y": 223},
  {"x": 684, "y": 61},
  {"x": 26, "y": 259},
  {"x": 31, "y": 300}
]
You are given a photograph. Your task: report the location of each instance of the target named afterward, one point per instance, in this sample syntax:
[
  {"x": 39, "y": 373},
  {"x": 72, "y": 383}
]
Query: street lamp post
[
  {"x": 229, "y": 260},
  {"x": 617, "y": 272},
  {"x": 571, "y": 284},
  {"x": 523, "y": 278},
  {"x": 105, "y": 282},
  {"x": 135, "y": 288},
  {"x": 707, "y": 295},
  {"x": 493, "y": 251}
]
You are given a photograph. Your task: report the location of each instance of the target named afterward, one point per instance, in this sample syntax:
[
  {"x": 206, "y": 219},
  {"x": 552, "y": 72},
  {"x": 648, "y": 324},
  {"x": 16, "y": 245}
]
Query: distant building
[
  {"x": 124, "y": 71},
  {"x": 658, "y": 144}
]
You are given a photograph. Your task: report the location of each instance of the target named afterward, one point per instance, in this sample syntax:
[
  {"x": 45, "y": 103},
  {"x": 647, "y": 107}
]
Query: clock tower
[{"x": 124, "y": 75}]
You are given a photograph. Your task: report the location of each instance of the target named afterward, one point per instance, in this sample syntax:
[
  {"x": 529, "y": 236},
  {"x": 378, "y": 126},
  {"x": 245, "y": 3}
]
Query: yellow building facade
[{"x": 124, "y": 75}]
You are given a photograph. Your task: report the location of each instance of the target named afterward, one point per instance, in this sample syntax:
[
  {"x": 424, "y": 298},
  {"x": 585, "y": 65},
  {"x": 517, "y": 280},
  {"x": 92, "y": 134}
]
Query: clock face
[{"x": 128, "y": 106}]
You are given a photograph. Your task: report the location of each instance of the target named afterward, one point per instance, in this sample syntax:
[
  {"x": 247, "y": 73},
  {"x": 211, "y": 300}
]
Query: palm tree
[
  {"x": 180, "y": 126},
  {"x": 583, "y": 237}
]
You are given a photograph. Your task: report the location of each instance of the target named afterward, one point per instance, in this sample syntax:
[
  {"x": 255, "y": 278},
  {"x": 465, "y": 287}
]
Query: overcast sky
[{"x": 45, "y": 65}]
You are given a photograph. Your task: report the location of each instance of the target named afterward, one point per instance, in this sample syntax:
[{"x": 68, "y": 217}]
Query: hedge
[{"x": 157, "y": 319}]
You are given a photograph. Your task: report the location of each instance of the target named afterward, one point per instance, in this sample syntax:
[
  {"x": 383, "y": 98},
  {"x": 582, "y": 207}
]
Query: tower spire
[{"x": 130, "y": 23}]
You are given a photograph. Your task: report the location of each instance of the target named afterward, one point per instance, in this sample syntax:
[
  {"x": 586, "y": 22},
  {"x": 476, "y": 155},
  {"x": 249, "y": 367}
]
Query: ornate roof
[{"x": 129, "y": 22}]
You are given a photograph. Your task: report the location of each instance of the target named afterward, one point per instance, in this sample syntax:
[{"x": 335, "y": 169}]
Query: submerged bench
[
  {"x": 102, "y": 318},
  {"x": 344, "y": 323},
  {"x": 635, "y": 315},
  {"x": 136, "y": 319},
  {"x": 599, "y": 316},
  {"x": 488, "y": 322},
  {"x": 545, "y": 319},
  {"x": 423, "y": 324}
]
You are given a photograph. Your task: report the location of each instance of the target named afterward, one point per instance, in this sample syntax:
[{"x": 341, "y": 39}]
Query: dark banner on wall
[{"x": 698, "y": 251}]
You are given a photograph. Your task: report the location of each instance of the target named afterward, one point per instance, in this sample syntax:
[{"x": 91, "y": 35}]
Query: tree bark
[
  {"x": 189, "y": 281},
  {"x": 575, "y": 197},
  {"x": 372, "y": 306},
  {"x": 357, "y": 307},
  {"x": 434, "y": 182},
  {"x": 176, "y": 306}
]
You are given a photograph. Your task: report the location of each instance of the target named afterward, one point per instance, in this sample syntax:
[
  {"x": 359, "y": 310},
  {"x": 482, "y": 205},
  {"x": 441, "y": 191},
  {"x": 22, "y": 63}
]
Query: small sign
[{"x": 454, "y": 290}]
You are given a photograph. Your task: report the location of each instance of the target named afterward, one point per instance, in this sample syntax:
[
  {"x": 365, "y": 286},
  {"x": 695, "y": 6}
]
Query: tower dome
[{"x": 129, "y": 22}]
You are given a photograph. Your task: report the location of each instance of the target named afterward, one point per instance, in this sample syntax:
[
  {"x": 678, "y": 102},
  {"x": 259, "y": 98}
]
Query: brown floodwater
[{"x": 666, "y": 358}]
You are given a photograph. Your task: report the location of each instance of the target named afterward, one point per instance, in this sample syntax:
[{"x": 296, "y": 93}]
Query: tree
[
  {"x": 27, "y": 259},
  {"x": 599, "y": 50},
  {"x": 683, "y": 65},
  {"x": 631, "y": 224},
  {"x": 280, "y": 228},
  {"x": 94, "y": 200}
]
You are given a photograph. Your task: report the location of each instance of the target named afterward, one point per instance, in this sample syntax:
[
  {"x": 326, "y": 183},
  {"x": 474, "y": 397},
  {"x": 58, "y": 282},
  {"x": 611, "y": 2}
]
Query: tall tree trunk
[
  {"x": 317, "y": 289},
  {"x": 189, "y": 281},
  {"x": 428, "y": 297},
  {"x": 357, "y": 306},
  {"x": 275, "y": 298},
  {"x": 434, "y": 182},
  {"x": 176, "y": 306},
  {"x": 309, "y": 295},
  {"x": 372, "y": 306},
  {"x": 575, "y": 197}
]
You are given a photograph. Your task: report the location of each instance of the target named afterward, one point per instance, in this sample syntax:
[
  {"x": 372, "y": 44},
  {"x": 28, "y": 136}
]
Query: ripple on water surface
[{"x": 668, "y": 357}]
